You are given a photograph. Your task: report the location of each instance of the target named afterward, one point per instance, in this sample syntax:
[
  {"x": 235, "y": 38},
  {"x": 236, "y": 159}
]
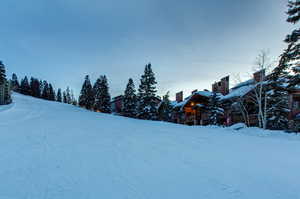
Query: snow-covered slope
[{"x": 51, "y": 151}]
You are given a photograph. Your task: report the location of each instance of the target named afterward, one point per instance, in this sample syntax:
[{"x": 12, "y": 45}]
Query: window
[
  {"x": 296, "y": 105},
  {"x": 296, "y": 102}
]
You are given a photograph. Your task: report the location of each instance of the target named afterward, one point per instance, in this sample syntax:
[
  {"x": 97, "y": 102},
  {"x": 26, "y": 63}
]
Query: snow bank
[
  {"x": 52, "y": 150},
  {"x": 238, "y": 126}
]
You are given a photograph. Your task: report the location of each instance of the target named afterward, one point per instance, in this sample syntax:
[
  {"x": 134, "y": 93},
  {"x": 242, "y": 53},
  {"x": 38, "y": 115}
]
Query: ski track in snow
[{"x": 50, "y": 150}]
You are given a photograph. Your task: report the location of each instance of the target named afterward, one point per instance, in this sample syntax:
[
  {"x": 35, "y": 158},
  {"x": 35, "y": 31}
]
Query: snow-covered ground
[{"x": 52, "y": 151}]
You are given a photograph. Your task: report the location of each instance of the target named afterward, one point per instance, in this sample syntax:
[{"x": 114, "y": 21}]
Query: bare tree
[
  {"x": 239, "y": 103},
  {"x": 260, "y": 94}
]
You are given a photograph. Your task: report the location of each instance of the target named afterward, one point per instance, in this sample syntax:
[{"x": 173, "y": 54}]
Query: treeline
[
  {"x": 141, "y": 103},
  {"x": 42, "y": 89}
]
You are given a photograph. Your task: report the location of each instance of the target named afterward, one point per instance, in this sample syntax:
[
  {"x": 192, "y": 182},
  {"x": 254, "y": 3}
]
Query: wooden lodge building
[{"x": 192, "y": 111}]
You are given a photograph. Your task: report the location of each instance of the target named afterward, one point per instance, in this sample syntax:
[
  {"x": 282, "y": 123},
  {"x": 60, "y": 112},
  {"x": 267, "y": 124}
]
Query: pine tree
[
  {"x": 25, "y": 87},
  {"x": 73, "y": 100},
  {"x": 68, "y": 96},
  {"x": 59, "y": 95},
  {"x": 51, "y": 91},
  {"x": 215, "y": 109},
  {"x": 41, "y": 88},
  {"x": 65, "y": 100},
  {"x": 45, "y": 92},
  {"x": 147, "y": 106},
  {"x": 129, "y": 100},
  {"x": 35, "y": 87},
  {"x": 2, "y": 73},
  {"x": 166, "y": 108},
  {"x": 280, "y": 77},
  {"x": 102, "y": 96},
  {"x": 293, "y": 54},
  {"x": 86, "y": 98},
  {"x": 15, "y": 83},
  {"x": 5, "y": 94},
  {"x": 278, "y": 95}
]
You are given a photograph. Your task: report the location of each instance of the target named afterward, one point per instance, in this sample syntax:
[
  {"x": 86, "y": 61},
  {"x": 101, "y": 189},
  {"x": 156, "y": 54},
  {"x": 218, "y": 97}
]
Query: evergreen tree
[
  {"x": 129, "y": 100},
  {"x": 215, "y": 109},
  {"x": 293, "y": 54},
  {"x": 15, "y": 83},
  {"x": 86, "y": 98},
  {"x": 73, "y": 100},
  {"x": 41, "y": 88},
  {"x": 280, "y": 76},
  {"x": 25, "y": 87},
  {"x": 51, "y": 91},
  {"x": 5, "y": 93},
  {"x": 278, "y": 95},
  {"x": 147, "y": 106},
  {"x": 45, "y": 92},
  {"x": 68, "y": 96},
  {"x": 165, "y": 108},
  {"x": 65, "y": 97},
  {"x": 59, "y": 95},
  {"x": 2, "y": 73},
  {"x": 35, "y": 87},
  {"x": 102, "y": 96}
]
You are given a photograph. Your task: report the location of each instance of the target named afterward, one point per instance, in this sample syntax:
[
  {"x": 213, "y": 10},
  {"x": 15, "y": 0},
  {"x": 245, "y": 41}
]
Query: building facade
[{"x": 238, "y": 103}]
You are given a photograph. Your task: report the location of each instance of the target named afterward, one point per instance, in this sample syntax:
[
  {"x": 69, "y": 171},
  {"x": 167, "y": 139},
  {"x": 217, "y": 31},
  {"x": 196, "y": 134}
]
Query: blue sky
[{"x": 190, "y": 43}]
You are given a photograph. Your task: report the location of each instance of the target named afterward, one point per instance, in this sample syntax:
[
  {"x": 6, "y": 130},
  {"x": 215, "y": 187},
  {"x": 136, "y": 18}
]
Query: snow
[
  {"x": 184, "y": 102},
  {"x": 51, "y": 150},
  {"x": 204, "y": 93},
  {"x": 238, "y": 126},
  {"x": 245, "y": 83},
  {"x": 238, "y": 92}
]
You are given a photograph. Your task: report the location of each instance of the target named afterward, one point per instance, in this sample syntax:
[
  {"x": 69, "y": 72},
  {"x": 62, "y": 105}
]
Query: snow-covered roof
[
  {"x": 245, "y": 83},
  {"x": 184, "y": 102},
  {"x": 242, "y": 89},
  {"x": 239, "y": 91},
  {"x": 204, "y": 93}
]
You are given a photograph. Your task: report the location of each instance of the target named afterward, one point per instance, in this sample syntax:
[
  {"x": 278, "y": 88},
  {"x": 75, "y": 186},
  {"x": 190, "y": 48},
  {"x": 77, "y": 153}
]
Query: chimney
[
  {"x": 259, "y": 75},
  {"x": 214, "y": 87},
  {"x": 179, "y": 96},
  {"x": 221, "y": 86},
  {"x": 194, "y": 91},
  {"x": 225, "y": 85}
]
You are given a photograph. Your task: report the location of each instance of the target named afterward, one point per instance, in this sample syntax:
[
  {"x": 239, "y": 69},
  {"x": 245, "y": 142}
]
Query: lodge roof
[{"x": 206, "y": 94}]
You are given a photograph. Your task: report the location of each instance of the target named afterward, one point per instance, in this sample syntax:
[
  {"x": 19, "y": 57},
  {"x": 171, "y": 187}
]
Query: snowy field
[{"x": 57, "y": 151}]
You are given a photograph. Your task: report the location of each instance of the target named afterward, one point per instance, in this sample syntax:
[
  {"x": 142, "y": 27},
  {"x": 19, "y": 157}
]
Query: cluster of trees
[
  {"x": 143, "y": 103},
  {"x": 5, "y": 96},
  {"x": 282, "y": 80},
  {"x": 136, "y": 104},
  {"x": 42, "y": 89},
  {"x": 271, "y": 95},
  {"x": 96, "y": 97}
]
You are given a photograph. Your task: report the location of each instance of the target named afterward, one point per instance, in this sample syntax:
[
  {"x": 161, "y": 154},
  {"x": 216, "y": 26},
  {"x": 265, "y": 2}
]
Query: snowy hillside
[{"x": 56, "y": 151}]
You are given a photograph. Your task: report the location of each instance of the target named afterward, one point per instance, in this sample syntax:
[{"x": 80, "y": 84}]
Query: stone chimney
[
  {"x": 179, "y": 96},
  {"x": 221, "y": 86},
  {"x": 225, "y": 85},
  {"x": 259, "y": 75},
  {"x": 194, "y": 91}
]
